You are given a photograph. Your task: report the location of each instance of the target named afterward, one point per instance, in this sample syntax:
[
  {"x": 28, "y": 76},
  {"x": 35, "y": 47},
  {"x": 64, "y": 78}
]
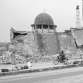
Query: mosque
[{"x": 43, "y": 39}]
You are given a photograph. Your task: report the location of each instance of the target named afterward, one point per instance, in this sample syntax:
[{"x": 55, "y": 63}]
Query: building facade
[{"x": 43, "y": 39}]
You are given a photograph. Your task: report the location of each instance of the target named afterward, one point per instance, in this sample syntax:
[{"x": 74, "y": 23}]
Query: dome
[{"x": 43, "y": 19}]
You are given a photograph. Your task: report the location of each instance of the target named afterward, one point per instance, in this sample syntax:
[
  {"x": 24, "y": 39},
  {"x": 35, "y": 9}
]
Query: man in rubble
[{"x": 62, "y": 57}]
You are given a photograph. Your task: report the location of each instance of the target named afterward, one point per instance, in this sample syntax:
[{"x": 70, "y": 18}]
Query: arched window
[
  {"x": 45, "y": 26},
  {"x": 39, "y": 26},
  {"x": 51, "y": 27}
]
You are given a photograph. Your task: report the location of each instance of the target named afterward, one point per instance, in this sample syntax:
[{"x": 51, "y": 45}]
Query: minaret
[{"x": 78, "y": 24}]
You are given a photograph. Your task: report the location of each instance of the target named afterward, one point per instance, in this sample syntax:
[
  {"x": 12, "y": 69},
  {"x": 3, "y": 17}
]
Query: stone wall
[
  {"x": 66, "y": 41},
  {"x": 30, "y": 43}
]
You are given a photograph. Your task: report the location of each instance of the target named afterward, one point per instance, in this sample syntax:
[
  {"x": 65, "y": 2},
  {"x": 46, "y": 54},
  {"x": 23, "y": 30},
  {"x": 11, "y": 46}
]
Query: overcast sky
[{"x": 20, "y": 14}]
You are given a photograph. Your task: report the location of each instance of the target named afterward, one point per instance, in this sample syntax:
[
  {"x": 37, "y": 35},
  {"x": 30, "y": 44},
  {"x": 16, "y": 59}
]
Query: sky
[{"x": 20, "y": 14}]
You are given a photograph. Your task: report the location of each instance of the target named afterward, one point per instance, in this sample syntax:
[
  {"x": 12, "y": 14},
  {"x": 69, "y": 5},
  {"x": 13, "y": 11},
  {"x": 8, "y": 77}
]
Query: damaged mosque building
[{"x": 43, "y": 39}]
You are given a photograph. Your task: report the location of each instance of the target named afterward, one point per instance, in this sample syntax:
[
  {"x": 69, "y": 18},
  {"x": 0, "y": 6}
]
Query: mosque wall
[
  {"x": 50, "y": 43},
  {"x": 30, "y": 45},
  {"x": 66, "y": 41}
]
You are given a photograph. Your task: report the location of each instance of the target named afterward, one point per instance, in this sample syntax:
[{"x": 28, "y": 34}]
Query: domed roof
[{"x": 43, "y": 18}]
